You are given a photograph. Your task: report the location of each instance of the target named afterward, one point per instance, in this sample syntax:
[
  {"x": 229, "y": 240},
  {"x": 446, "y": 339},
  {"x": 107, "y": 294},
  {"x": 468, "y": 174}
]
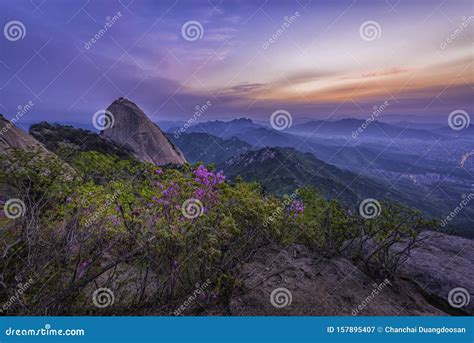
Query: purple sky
[{"x": 311, "y": 58}]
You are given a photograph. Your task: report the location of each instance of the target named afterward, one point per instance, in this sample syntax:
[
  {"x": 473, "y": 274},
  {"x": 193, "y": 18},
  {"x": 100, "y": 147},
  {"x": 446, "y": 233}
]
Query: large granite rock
[
  {"x": 319, "y": 286},
  {"x": 441, "y": 264},
  {"x": 135, "y": 131},
  {"x": 12, "y": 137}
]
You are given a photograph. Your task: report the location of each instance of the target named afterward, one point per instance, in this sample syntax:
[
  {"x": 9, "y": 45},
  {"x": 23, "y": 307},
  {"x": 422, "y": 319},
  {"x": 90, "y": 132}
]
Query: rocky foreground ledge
[
  {"x": 296, "y": 281},
  {"x": 441, "y": 264}
]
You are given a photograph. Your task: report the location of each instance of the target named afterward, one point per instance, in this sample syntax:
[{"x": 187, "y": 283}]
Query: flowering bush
[{"x": 150, "y": 234}]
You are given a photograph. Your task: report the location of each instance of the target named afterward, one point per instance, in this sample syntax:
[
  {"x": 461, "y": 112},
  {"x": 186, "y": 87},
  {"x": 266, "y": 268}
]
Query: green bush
[{"x": 151, "y": 234}]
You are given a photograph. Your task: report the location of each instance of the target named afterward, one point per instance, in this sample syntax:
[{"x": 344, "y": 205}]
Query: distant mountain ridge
[
  {"x": 206, "y": 148},
  {"x": 351, "y": 127},
  {"x": 467, "y": 132},
  {"x": 220, "y": 128},
  {"x": 246, "y": 130},
  {"x": 342, "y": 127},
  {"x": 283, "y": 170}
]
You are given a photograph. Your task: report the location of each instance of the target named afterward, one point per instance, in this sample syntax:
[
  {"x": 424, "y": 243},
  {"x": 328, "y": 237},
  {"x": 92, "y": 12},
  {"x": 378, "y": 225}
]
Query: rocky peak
[
  {"x": 258, "y": 156},
  {"x": 12, "y": 137},
  {"x": 242, "y": 121},
  {"x": 133, "y": 130}
]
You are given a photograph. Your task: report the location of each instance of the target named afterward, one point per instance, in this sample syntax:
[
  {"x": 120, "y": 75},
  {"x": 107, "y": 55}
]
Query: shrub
[
  {"x": 125, "y": 225},
  {"x": 153, "y": 234}
]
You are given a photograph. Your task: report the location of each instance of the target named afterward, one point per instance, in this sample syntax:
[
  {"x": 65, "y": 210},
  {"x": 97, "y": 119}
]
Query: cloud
[
  {"x": 243, "y": 89},
  {"x": 168, "y": 76},
  {"x": 220, "y": 34}
]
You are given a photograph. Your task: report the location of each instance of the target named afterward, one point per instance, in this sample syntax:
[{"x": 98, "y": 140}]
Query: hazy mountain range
[{"x": 418, "y": 167}]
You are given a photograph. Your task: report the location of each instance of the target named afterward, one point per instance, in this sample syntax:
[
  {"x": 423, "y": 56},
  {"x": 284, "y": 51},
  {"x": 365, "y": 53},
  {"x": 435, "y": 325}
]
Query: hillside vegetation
[{"x": 153, "y": 234}]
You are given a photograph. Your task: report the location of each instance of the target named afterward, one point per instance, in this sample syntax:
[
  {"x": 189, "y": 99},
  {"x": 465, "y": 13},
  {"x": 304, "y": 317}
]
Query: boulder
[
  {"x": 298, "y": 282},
  {"x": 11, "y": 137},
  {"x": 133, "y": 130},
  {"x": 441, "y": 264}
]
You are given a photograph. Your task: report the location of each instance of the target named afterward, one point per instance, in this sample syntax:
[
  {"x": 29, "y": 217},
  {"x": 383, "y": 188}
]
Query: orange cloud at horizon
[{"x": 378, "y": 84}]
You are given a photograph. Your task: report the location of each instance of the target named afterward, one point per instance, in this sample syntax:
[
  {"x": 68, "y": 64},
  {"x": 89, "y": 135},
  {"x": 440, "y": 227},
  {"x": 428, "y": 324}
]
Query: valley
[{"x": 420, "y": 168}]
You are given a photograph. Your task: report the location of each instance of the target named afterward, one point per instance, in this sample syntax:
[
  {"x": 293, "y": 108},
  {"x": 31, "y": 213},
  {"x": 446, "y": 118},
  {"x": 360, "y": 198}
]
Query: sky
[{"x": 315, "y": 59}]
